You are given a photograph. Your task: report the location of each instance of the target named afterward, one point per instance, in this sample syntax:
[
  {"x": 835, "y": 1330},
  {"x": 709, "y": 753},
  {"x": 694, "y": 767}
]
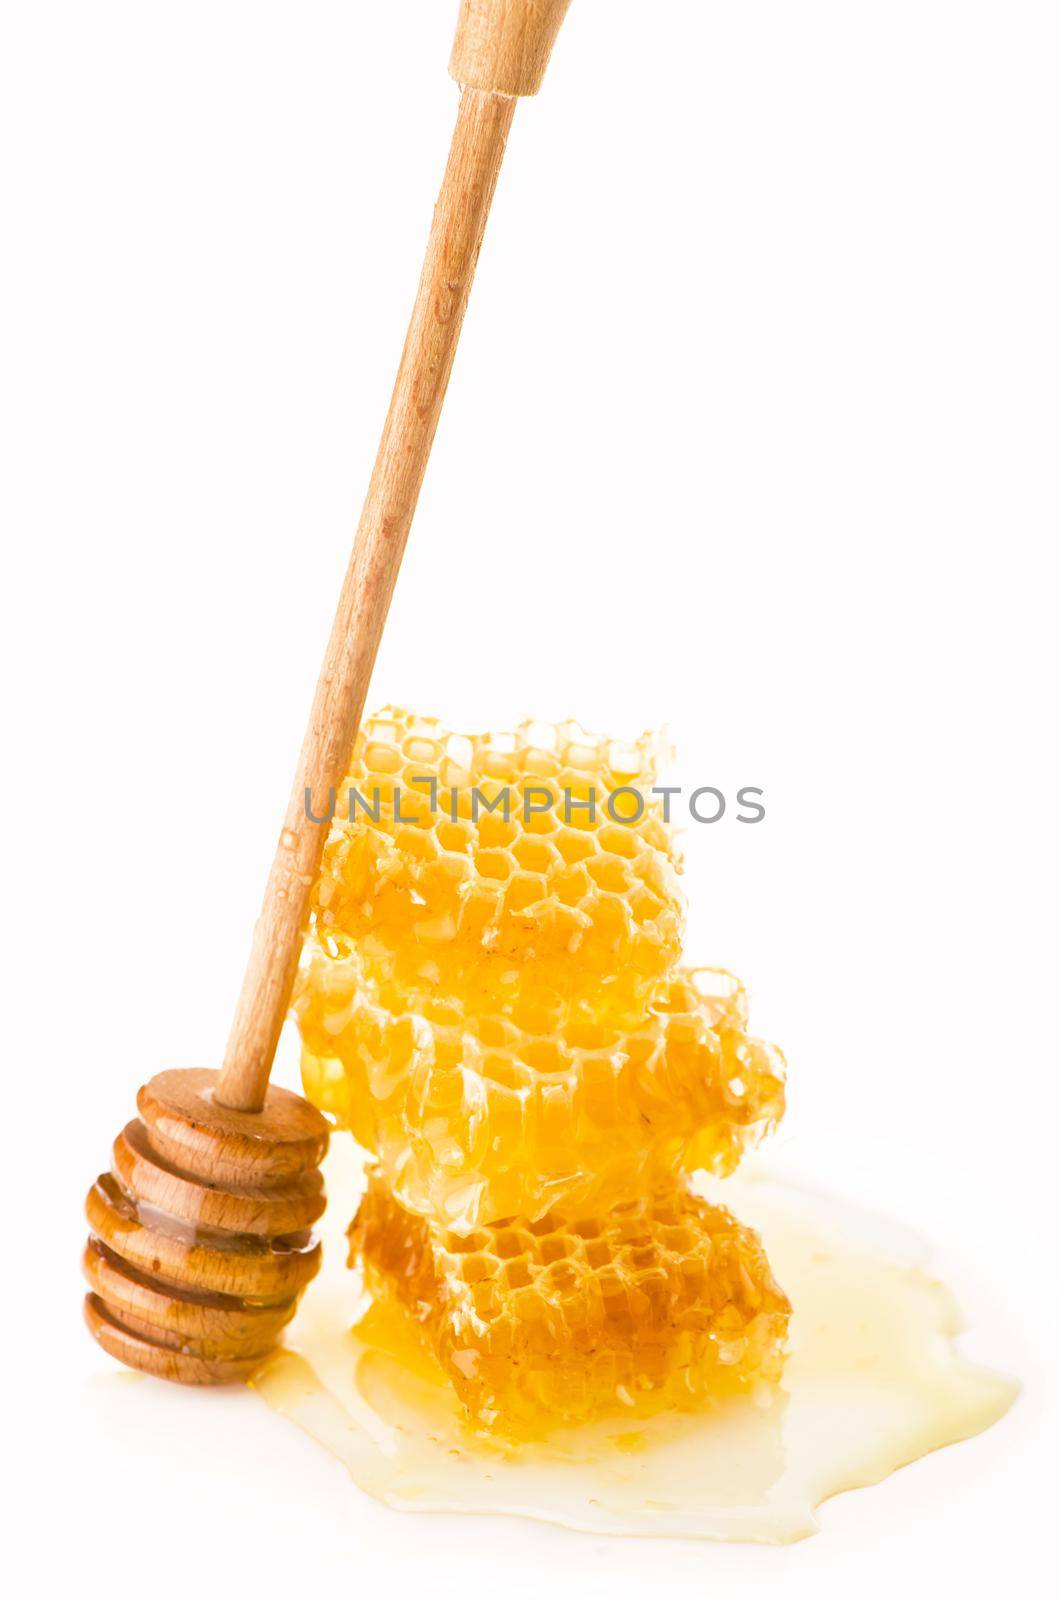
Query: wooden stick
[
  {"x": 503, "y": 46},
  {"x": 501, "y": 51}
]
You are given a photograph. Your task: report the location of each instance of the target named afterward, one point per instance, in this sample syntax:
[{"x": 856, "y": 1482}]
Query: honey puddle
[{"x": 872, "y": 1381}]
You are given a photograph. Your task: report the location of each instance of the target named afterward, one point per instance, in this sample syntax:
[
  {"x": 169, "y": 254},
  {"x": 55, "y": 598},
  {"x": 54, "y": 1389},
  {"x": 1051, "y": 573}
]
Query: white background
[{"x": 753, "y": 431}]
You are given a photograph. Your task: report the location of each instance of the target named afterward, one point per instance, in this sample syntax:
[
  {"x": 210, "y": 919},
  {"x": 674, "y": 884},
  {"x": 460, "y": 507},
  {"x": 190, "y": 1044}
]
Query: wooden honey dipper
[{"x": 201, "y": 1233}]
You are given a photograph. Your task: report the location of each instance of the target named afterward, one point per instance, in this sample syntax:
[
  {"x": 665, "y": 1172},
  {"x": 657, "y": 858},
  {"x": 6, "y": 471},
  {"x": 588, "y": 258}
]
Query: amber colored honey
[
  {"x": 873, "y": 1380},
  {"x": 665, "y": 1302},
  {"x": 495, "y": 1003}
]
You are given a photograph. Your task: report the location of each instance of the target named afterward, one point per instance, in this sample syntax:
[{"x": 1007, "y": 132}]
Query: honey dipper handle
[
  {"x": 506, "y": 40},
  {"x": 503, "y": 46}
]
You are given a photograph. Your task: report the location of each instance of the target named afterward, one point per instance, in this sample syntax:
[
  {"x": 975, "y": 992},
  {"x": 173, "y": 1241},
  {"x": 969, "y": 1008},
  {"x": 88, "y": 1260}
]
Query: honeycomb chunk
[
  {"x": 474, "y": 1116},
  {"x": 573, "y": 870},
  {"x": 663, "y": 1302}
]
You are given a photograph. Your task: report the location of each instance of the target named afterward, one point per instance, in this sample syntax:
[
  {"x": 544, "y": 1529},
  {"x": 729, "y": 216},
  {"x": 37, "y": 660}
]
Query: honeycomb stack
[{"x": 492, "y": 1001}]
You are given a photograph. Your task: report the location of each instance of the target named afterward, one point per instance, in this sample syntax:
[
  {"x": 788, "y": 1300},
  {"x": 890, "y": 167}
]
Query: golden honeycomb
[
  {"x": 661, "y": 1302},
  {"x": 493, "y": 1001},
  {"x": 494, "y": 1004},
  {"x": 573, "y": 872},
  {"x": 474, "y": 1117}
]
